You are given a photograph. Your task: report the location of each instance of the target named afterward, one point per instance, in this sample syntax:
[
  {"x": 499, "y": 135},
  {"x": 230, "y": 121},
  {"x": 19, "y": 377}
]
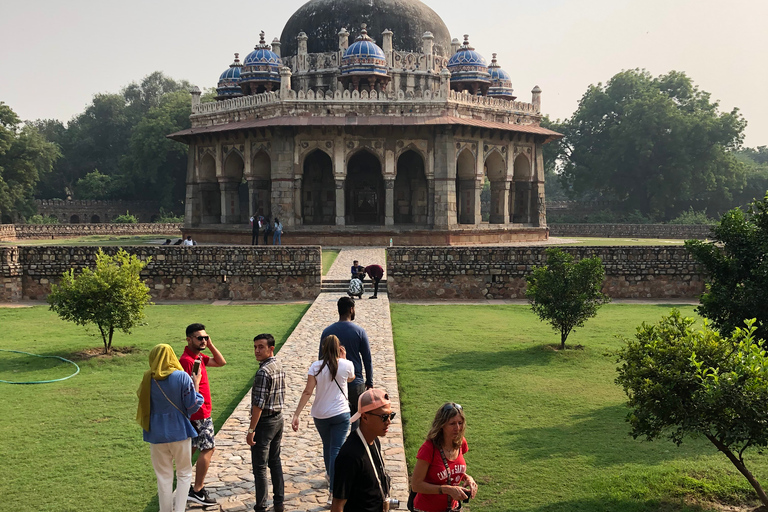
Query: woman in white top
[{"x": 330, "y": 410}]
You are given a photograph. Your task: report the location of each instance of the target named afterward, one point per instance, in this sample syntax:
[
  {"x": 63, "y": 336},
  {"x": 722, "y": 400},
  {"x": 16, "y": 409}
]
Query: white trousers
[{"x": 163, "y": 455}]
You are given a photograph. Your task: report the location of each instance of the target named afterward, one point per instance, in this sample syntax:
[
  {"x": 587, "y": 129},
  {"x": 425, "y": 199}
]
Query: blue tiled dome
[
  {"x": 364, "y": 57},
  {"x": 261, "y": 68},
  {"x": 501, "y": 82},
  {"x": 466, "y": 65},
  {"x": 229, "y": 81}
]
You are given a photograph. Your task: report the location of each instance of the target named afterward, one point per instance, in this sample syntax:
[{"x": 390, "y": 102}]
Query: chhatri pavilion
[{"x": 364, "y": 122}]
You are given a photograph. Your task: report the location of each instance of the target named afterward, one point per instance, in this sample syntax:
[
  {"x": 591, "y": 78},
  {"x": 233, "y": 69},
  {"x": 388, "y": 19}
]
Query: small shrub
[
  {"x": 692, "y": 217},
  {"x": 165, "y": 217},
  {"x": 126, "y": 219},
  {"x": 40, "y": 219}
]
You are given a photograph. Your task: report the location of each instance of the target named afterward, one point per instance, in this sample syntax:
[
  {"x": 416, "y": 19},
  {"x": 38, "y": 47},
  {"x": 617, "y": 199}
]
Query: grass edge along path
[
  {"x": 75, "y": 445},
  {"x": 329, "y": 256},
  {"x": 546, "y": 429}
]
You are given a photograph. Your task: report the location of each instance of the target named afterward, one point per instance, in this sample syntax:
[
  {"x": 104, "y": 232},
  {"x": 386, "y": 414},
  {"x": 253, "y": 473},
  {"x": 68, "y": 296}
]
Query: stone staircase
[{"x": 340, "y": 286}]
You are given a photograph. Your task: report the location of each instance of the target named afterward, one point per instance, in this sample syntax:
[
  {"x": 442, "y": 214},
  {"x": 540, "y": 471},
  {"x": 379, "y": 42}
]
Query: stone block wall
[
  {"x": 175, "y": 272},
  {"x": 674, "y": 231},
  {"x": 53, "y": 231},
  {"x": 87, "y": 211},
  {"x": 415, "y": 273},
  {"x": 7, "y": 232}
]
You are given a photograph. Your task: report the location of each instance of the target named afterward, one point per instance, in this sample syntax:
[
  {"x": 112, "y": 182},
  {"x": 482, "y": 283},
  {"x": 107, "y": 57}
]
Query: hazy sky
[{"x": 55, "y": 55}]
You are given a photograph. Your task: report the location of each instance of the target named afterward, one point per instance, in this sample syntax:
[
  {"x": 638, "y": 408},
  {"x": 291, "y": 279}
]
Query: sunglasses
[
  {"x": 450, "y": 405},
  {"x": 201, "y": 338},
  {"x": 385, "y": 417}
]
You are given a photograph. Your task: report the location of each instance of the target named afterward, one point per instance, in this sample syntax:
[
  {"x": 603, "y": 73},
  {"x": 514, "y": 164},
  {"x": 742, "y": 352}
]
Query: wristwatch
[{"x": 251, "y": 430}]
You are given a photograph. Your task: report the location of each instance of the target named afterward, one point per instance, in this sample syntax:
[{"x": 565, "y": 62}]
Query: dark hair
[
  {"x": 194, "y": 328},
  {"x": 345, "y": 305},
  {"x": 270, "y": 339},
  {"x": 330, "y": 348}
]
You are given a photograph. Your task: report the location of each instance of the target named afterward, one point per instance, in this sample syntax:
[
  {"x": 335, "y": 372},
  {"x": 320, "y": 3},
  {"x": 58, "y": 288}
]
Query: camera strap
[
  {"x": 448, "y": 476},
  {"x": 373, "y": 466}
]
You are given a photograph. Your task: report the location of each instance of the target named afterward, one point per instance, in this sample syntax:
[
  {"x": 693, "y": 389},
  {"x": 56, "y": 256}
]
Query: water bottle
[{"x": 390, "y": 242}]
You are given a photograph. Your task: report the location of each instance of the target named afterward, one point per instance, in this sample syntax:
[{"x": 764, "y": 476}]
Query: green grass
[
  {"x": 619, "y": 241},
  {"x": 329, "y": 256},
  {"x": 105, "y": 240},
  {"x": 546, "y": 429},
  {"x": 75, "y": 445}
]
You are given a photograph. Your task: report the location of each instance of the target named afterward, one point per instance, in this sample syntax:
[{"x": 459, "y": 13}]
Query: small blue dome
[
  {"x": 261, "y": 69},
  {"x": 466, "y": 65},
  {"x": 229, "y": 81},
  {"x": 364, "y": 57},
  {"x": 501, "y": 82}
]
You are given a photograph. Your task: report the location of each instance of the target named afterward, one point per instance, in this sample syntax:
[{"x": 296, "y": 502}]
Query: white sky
[{"x": 55, "y": 55}]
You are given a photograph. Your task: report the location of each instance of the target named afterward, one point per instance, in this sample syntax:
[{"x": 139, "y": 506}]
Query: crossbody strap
[
  {"x": 373, "y": 466},
  {"x": 171, "y": 401},
  {"x": 447, "y": 473},
  {"x": 342, "y": 391}
]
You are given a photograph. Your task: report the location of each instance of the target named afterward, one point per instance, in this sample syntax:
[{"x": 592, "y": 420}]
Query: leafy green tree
[
  {"x": 40, "y": 219},
  {"x": 564, "y": 293},
  {"x": 111, "y": 296},
  {"x": 554, "y": 152},
  {"x": 692, "y": 217},
  {"x": 94, "y": 185},
  {"x": 654, "y": 144},
  {"x": 125, "y": 219},
  {"x": 737, "y": 269},
  {"x": 25, "y": 155},
  {"x": 683, "y": 383}
]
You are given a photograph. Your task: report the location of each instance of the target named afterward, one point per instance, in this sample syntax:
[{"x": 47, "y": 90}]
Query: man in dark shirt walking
[
  {"x": 265, "y": 432},
  {"x": 355, "y": 341},
  {"x": 376, "y": 273},
  {"x": 360, "y": 482}
]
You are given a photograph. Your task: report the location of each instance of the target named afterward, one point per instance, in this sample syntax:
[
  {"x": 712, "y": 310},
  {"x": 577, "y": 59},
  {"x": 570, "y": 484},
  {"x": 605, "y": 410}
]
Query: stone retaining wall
[
  {"x": 415, "y": 273},
  {"x": 675, "y": 231},
  {"x": 175, "y": 272},
  {"x": 53, "y": 231},
  {"x": 83, "y": 211},
  {"x": 7, "y": 232}
]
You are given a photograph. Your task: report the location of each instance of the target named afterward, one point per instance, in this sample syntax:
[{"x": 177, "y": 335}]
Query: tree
[
  {"x": 111, "y": 296},
  {"x": 564, "y": 293},
  {"x": 737, "y": 268},
  {"x": 656, "y": 145},
  {"x": 683, "y": 383},
  {"x": 94, "y": 185},
  {"x": 25, "y": 156}
]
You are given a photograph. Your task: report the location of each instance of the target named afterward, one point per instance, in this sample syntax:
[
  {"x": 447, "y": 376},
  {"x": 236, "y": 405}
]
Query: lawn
[
  {"x": 102, "y": 240},
  {"x": 546, "y": 429},
  {"x": 75, "y": 445},
  {"x": 329, "y": 256}
]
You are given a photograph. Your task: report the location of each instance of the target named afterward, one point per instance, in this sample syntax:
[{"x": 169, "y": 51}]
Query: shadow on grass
[
  {"x": 602, "y": 436},
  {"x": 154, "y": 505},
  {"x": 619, "y": 505},
  {"x": 535, "y": 355}
]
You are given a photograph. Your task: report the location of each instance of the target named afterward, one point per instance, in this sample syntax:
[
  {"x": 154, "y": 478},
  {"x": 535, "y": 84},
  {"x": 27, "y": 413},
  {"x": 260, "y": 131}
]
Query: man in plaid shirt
[{"x": 265, "y": 432}]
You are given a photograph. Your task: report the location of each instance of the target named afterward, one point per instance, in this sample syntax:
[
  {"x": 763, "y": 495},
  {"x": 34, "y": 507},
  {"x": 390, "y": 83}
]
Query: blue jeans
[
  {"x": 333, "y": 432},
  {"x": 276, "y": 238}
]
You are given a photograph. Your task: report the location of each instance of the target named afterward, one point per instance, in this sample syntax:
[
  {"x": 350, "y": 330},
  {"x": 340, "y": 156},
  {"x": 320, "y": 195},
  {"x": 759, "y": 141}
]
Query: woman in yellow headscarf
[{"x": 167, "y": 397}]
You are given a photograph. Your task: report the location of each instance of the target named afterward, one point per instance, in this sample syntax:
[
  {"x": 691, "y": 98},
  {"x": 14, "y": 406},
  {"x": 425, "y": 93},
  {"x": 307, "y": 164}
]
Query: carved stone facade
[{"x": 337, "y": 152}]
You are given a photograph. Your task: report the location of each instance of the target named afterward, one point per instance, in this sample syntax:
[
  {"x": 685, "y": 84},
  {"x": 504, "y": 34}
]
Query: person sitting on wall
[
  {"x": 167, "y": 241},
  {"x": 189, "y": 241},
  {"x": 178, "y": 242}
]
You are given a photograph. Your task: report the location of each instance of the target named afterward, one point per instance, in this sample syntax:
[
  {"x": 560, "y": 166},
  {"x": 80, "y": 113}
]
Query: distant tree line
[{"x": 657, "y": 148}]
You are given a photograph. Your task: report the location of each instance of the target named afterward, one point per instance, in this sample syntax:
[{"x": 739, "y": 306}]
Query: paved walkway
[{"x": 230, "y": 478}]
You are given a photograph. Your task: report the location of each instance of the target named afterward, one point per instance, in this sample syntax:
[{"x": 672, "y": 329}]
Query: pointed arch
[
  {"x": 465, "y": 187},
  {"x": 318, "y": 189},
  {"x": 364, "y": 188},
  {"x": 521, "y": 191},
  {"x": 410, "y": 189}
]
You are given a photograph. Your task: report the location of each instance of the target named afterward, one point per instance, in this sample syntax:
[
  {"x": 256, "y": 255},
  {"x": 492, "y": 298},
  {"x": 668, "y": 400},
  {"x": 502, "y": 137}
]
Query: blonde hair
[
  {"x": 446, "y": 413},
  {"x": 331, "y": 351}
]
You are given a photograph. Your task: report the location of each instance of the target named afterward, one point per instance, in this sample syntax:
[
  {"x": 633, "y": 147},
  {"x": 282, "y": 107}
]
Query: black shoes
[
  {"x": 373, "y": 297},
  {"x": 200, "y": 496}
]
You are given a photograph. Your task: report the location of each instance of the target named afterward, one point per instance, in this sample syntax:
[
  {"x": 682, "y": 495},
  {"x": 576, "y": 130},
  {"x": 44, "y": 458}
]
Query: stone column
[
  {"x": 499, "y": 202},
  {"x": 478, "y": 214},
  {"x": 430, "y": 201},
  {"x": 445, "y": 180},
  {"x": 230, "y": 202},
  {"x": 389, "y": 201},
  {"x": 297, "y": 200},
  {"x": 511, "y": 206},
  {"x": 252, "y": 196},
  {"x": 340, "y": 209}
]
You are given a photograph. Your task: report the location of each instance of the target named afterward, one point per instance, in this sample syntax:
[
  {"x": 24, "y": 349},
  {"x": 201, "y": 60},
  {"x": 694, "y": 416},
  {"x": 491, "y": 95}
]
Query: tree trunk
[
  {"x": 741, "y": 467},
  {"x": 111, "y": 332},
  {"x": 563, "y": 337},
  {"x": 104, "y": 339}
]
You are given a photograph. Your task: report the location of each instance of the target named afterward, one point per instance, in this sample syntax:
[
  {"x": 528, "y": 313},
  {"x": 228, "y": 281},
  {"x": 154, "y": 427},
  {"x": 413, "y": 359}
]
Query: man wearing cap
[
  {"x": 360, "y": 483},
  {"x": 355, "y": 341}
]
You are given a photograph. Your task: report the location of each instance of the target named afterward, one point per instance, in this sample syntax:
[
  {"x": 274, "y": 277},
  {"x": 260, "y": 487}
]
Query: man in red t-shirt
[
  {"x": 375, "y": 272},
  {"x": 197, "y": 341}
]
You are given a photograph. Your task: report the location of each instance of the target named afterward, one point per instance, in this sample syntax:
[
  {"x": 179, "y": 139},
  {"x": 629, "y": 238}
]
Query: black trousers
[
  {"x": 354, "y": 390},
  {"x": 266, "y": 454}
]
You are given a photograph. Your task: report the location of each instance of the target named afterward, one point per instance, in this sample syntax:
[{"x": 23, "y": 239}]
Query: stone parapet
[
  {"x": 7, "y": 232},
  {"x": 96, "y": 211},
  {"x": 175, "y": 272},
  {"x": 416, "y": 273},
  {"x": 675, "y": 231},
  {"x": 52, "y": 231}
]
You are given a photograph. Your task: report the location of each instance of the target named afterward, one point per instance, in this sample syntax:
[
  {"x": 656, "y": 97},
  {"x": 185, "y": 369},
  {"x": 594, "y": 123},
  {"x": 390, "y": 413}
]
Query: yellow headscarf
[{"x": 162, "y": 363}]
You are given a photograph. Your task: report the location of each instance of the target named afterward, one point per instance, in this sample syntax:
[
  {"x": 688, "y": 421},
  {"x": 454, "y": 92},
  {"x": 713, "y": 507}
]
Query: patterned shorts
[{"x": 204, "y": 439}]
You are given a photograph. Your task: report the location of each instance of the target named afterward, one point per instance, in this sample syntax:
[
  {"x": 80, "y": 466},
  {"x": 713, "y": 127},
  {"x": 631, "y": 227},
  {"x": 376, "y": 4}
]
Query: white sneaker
[{"x": 330, "y": 499}]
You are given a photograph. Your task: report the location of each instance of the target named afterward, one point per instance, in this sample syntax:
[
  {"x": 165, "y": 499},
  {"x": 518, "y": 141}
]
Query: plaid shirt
[{"x": 268, "y": 393}]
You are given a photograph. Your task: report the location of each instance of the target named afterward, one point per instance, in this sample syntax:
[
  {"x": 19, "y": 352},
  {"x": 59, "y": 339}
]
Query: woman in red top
[{"x": 438, "y": 489}]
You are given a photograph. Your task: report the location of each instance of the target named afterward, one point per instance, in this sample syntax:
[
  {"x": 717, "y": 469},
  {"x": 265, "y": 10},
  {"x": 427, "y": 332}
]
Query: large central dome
[{"x": 322, "y": 20}]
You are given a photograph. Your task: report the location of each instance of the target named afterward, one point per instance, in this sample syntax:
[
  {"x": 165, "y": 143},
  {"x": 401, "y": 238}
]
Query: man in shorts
[{"x": 197, "y": 341}]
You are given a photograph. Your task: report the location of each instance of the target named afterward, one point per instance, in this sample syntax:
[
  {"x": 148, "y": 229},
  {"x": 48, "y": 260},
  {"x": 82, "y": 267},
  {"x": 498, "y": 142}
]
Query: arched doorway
[
  {"x": 261, "y": 184},
  {"x": 234, "y": 190},
  {"x": 410, "y": 189},
  {"x": 496, "y": 174},
  {"x": 318, "y": 190},
  {"x": 465, "y": 187},
  {"x": 520, "y": 195},
  {"x": 210, "y": 195},
  {"x": 74, "y": 219},
  {"x": 95, "y": 219},
  {"x": 364, "y": 190}
]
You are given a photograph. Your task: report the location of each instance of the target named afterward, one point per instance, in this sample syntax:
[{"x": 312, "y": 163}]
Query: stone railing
[
  {"x": 175, "y": 272},
  {"x": 7, "y": 232},
  {"x": 97, "y": 202},
  {"x": 499, "y": 272},
  {"x": 53, "y": 231},
  {"x": 673, "y": 231},
  {"x": 484, "y": 101}
]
